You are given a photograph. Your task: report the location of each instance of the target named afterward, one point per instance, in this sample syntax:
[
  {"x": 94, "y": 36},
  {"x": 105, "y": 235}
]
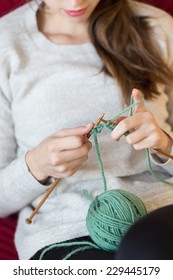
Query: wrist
[
  {"x": 164, "y": 151},
  {"x": 33, "y": 168},
  {"x": 168, "y": 144}
]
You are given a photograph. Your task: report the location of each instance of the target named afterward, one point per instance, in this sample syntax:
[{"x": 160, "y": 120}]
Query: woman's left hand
[{"x": 143, "y": 128}]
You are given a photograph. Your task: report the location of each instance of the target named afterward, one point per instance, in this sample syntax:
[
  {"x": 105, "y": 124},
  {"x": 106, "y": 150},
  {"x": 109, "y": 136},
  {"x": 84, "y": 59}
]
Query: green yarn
[
  {"x": 110, "y": 216},
  {"x": 113, "y": 212},
  {"x": 87, "y": 245},
  {"x": 99, "y": 159}
]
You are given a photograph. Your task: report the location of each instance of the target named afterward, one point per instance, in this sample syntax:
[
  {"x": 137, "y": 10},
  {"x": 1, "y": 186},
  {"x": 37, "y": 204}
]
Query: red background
[{"x": 9, "y": 5}]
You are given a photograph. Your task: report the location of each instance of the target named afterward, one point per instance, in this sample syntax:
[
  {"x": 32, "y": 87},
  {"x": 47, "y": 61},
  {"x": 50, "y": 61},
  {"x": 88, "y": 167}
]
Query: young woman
[{"x": 62, "y": 64}]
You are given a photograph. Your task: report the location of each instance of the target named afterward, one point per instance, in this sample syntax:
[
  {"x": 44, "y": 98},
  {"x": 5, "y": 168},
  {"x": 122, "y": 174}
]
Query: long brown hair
[{"x": 124, "y": 42}]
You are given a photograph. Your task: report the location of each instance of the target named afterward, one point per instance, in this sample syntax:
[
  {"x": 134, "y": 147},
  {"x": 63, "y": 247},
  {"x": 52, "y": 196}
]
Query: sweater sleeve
[
  {"x": 163, "y": 162},
  {"x": 18, "y": 187}
]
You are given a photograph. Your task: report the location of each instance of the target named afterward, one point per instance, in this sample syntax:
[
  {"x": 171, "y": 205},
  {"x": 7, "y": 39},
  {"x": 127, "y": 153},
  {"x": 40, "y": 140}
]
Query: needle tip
[{"x": 101, "y": 116}]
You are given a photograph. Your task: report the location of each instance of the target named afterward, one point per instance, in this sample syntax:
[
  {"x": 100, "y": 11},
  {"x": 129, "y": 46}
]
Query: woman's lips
[{"x": 74, "y": 13}]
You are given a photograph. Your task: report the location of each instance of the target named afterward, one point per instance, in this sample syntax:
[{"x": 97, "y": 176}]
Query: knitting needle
[
  {"x": 29, "y": 220},
  {"x": 96, "y": 123},
  {"x": 163, "y": 153},
  {"x": 157, "y": 150}
]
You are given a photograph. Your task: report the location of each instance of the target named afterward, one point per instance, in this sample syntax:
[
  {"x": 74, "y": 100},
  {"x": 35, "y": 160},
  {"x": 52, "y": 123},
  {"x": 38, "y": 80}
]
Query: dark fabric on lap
[
  {"x": 89, "y": 254},
  {"x": 149, "y": 239}
]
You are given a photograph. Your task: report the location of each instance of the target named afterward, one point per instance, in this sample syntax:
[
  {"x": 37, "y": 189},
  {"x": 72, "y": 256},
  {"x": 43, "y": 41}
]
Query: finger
[
  {"x": 71, "y": 155},
  {"x": 117, "y": 120},
  {"x": 80, "y": 130},
  {"x": 136, "y": 136},
  {"x": 67, "y": 168},
  {"x": 60, "y": 144},
  {"x": 124, "y": 126},
  {"x": 137, "y": 95},
  {"x": 146, "y": 143}
]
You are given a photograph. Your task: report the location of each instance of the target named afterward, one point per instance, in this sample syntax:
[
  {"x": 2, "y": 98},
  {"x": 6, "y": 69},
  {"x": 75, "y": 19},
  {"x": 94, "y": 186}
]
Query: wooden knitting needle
[
  {"x": 96, "y": 123},
  {"x": 157, "y": 150},
  {"x": 163, "y": 153},
  {"x": 29, "y": 220}
]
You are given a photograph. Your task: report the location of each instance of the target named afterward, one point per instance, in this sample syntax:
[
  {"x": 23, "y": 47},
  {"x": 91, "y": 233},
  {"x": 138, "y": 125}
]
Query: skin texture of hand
[
  {"x": 143, "y": 128},
  {"x": 61, "y": 154}
]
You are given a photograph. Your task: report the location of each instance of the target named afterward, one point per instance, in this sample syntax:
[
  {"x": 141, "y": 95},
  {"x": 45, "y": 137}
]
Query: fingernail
[{"x": 135, "y": 90}]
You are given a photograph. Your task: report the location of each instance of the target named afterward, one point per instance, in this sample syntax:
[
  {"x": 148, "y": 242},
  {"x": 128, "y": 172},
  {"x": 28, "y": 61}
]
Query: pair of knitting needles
[{"x": 98, "y": 121}]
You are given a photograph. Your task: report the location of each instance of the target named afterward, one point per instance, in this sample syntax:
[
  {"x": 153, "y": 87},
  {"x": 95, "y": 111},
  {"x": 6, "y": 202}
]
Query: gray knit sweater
[{"x": 45, "y": 87}]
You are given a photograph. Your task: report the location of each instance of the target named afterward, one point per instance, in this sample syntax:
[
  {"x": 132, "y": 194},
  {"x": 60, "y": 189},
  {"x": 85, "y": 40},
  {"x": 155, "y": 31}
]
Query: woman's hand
[
  {"x": 143, "y": 128},
  {"x": 61, "y": 154}
]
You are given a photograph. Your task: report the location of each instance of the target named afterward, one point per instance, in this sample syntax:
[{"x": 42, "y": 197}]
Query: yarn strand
[{"x": 99, "y": 160}]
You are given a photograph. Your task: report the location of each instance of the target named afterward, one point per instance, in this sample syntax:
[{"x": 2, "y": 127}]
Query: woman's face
[{"x": 72, "y": 9}]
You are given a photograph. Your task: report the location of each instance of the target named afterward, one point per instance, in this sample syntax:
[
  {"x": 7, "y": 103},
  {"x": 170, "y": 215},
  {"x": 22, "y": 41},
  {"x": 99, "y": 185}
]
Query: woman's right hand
[{"x": 61, "y": 154}]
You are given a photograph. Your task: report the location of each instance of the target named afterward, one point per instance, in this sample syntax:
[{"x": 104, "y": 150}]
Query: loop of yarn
[
  {"x": 110, "y": 215},
  {"x": 97, "y": 129}
]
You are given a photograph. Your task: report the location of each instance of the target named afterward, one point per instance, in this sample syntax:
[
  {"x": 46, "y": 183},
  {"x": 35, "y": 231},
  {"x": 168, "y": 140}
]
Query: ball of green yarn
[{"x": 110, "y": 215}]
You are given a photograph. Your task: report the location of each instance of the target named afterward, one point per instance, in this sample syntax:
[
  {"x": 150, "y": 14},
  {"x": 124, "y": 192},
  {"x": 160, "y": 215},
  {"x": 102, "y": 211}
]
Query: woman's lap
[{"x": 148, "y": 239}]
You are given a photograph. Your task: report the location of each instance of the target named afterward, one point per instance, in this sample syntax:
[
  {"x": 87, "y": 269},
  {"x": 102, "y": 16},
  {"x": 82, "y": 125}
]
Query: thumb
[{"x": 137, "y": 95}]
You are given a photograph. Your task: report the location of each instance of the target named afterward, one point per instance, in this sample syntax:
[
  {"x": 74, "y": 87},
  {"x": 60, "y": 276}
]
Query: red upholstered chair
[
  {"x": 166, "y": 5},
  {"x": 8, "y": 225},
  {"x": 9, "y": 5}
]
